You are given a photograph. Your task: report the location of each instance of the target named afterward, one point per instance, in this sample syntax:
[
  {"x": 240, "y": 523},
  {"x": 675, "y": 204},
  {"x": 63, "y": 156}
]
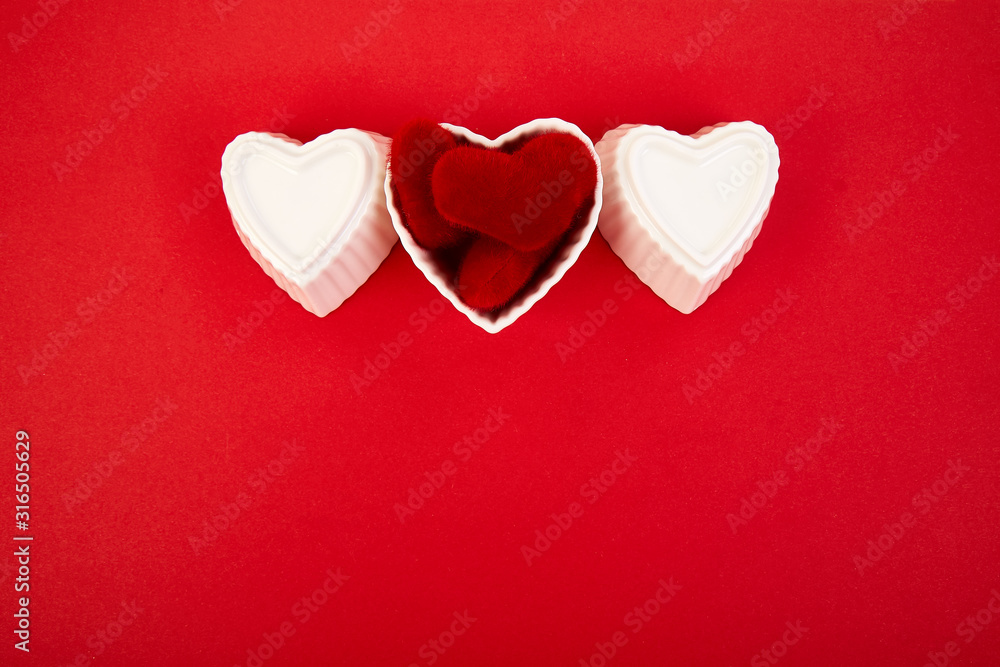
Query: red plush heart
[
  {"x": 492, "y": 217},
  {"x": 415, "y": 150},
  {"x": 526, "y": 199},
  {"x": 492, "y": 272}
]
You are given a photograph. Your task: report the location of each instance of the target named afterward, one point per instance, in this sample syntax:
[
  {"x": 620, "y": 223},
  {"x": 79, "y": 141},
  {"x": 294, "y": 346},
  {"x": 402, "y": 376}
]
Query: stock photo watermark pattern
[{"x": 611, "y": 480}]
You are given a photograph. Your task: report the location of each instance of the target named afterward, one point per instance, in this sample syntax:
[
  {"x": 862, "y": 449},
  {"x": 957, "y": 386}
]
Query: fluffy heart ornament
[
  {"x": 494, "y": 224},
  {"x": 526, "y": 199},
  {"x": 417, "y": 148}
]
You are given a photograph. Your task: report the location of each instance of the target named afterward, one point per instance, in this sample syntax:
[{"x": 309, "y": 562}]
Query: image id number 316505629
[{"x": 22, "y": 541}]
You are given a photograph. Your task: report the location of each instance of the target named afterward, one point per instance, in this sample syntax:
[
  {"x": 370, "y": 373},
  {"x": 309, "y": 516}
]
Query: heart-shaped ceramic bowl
[
  {"x": 312, "y": 215},
  {"x": 682, "y": 211},
  {"x": 553, "y": 270}
]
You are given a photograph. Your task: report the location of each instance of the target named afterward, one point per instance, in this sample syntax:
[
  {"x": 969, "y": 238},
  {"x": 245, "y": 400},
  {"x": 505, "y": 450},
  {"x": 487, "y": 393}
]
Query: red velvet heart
[
  {"x": 492, "y": 217},
  {"x": 526, "y": 199},
  {"x": 492, "y": 272},
  {"x": 415, "y": 150}
]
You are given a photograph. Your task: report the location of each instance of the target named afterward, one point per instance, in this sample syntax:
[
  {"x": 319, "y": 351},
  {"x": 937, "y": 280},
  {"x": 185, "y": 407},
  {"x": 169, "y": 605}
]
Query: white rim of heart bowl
[
  {"x": 335, "y": 261},
  {"x": 566, "y": 255},
  {"x": 685, "y": 270},
  {"x": 706, "y": 263},
  {"x": 303, "y": 268}
]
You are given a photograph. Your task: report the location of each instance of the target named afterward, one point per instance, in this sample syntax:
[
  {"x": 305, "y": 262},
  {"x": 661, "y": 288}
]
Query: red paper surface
[{"x": 159, "y": 407}]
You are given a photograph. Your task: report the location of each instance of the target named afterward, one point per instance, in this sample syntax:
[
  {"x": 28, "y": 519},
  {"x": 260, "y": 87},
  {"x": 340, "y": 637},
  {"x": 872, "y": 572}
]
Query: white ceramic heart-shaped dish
[
  {"x": 682, "y": 211},
  {"x": 312, "y": 215},
  {"x": 565, "y": 257}
]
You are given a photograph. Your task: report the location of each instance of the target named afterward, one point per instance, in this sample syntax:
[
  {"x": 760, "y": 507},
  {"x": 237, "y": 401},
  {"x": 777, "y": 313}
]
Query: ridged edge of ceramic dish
[
  {"x": 632, "y": 237},
  {"x": 350, "y": 258}
]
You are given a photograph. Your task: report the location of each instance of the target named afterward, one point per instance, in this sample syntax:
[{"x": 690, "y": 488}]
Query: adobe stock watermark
[
  {"x": 635, "y": 620},
  {"x": 106, "y": 636},
  {"x": 779, "y": 647},
  {"x": 579, "y": 334},
  {"x": 205, "y": 194},
  {"x": 767, "y": 489},
  {"x": 254, "y": 319},
  {"x": 425, "y": 148},
  {"x": 548, "y": 192},
  {"x": 930, "y": 326},
  {"x": 456, "y": 114},
  {"x": 592, "y": 491},
  {"x": 898, "y": 17},
  {"x": 609, "y": 124},
  {"x": 564, "y": 10},
  {"x": 120, "y": 110},
  {"x": 967, "y": 629},
  {"x": 792, "y": 122},
  {"x": 365, "y": 34},
  {"x": 752, "y": 330},
  {"x": 87, "y": 311},
  {"x": 485, "y": 89},
  {"x": 913, "y": 170},
  {"x": 741, "y": 175},
  {"x": 257, "y": 485},
  {"x": 7, "y": 568},
  {"x": 303, "y": 610},
  {"x": 432, "y": 480},
  {"x": 47, "y": 10},
  {"x": 419, "y": 321},
  {"x": 701, "y": 41},
  {"x": 223, "y": 7},
  {"x": 436, "y": 647},
  {"x": 927, "y": 498},
  {"x": 133, "y": 437}
]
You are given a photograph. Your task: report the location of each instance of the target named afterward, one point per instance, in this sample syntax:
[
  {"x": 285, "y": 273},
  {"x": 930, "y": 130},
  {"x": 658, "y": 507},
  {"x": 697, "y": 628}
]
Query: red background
[{"x": 191, "y": 282}]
